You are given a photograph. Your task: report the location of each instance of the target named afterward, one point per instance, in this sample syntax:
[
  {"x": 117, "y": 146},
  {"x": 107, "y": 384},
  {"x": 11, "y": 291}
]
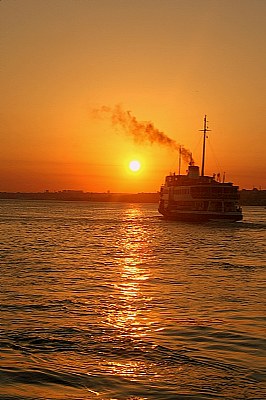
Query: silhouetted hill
[
  {"x": 253, "y": 197},
  {"x": 79, "y": 195}
]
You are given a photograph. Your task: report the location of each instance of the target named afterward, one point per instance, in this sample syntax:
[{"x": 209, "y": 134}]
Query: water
[{"x": 109, "y": 301}]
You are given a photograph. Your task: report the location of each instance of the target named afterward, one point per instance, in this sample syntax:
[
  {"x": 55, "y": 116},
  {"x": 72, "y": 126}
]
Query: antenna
[
  {"x": 205, "y": 130},
  {"x": 179, "y": 161}
]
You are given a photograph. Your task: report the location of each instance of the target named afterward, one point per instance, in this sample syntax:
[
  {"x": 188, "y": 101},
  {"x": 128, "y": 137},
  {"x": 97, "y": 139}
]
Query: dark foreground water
[{"x": 109, "y": 301}]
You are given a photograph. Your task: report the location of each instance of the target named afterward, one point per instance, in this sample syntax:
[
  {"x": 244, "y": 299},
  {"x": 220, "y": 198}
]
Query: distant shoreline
[{"x": 252, "y": 197}]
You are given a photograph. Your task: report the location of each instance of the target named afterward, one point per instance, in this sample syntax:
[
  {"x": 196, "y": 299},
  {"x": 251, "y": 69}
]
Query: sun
[{"x": 134, "y": 165}]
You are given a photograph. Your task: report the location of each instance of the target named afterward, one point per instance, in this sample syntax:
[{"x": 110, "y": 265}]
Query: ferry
[{"x": 196, "y": 197}]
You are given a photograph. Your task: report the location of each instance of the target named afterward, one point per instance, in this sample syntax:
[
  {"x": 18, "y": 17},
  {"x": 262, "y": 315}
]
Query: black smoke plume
[{"x": 140, "y": 131}]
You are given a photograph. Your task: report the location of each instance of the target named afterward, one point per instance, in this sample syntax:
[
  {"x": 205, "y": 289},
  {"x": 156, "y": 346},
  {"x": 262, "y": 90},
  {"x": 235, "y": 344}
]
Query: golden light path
[{"x": 131, "y": 312}]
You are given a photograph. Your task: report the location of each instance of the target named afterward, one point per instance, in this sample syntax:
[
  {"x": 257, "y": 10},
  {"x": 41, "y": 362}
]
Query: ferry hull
[{"x": 200, "y": 217}]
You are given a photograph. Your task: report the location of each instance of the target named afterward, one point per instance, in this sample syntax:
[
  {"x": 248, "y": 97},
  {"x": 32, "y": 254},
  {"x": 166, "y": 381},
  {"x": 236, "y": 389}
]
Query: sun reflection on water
[
  {"x": 130, "y": 307},
  {"x": 129, "y": 311}
]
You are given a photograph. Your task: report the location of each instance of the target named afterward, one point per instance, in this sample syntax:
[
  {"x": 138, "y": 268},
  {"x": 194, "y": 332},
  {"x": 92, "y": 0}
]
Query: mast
[
  {"x": 205, "y": 130},
  {"x": 179, "y": 163}
]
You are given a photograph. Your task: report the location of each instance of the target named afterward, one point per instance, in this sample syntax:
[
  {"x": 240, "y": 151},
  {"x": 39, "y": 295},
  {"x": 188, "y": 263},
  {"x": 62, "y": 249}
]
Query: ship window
[
  {"x": 215, "y": 206},
  {"x": 217, "y": 189},
  {"x": 228, "y": 190},
  {"x": 229, "y": 206}
]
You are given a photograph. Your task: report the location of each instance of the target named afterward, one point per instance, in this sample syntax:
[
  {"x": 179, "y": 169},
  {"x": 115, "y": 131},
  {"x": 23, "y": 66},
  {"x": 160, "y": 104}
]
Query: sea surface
[{"x": 110, "y": 301}]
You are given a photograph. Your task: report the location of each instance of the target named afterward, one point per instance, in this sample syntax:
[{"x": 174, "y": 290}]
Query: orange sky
[{"x": 168, "y": 62}]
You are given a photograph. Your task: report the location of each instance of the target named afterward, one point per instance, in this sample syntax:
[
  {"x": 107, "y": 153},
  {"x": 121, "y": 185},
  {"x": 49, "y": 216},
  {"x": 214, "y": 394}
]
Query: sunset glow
[
  {"x": 134, "y": 165},
  {"x": 63, "y": 59}
]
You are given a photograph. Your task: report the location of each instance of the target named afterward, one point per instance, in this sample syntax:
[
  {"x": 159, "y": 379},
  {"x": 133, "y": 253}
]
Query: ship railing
[{"x": 231, "y": 196}]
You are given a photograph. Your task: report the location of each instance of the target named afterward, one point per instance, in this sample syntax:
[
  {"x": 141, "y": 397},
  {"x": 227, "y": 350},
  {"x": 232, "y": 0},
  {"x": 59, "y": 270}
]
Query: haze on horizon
[{"x": 168, "y": 62}]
